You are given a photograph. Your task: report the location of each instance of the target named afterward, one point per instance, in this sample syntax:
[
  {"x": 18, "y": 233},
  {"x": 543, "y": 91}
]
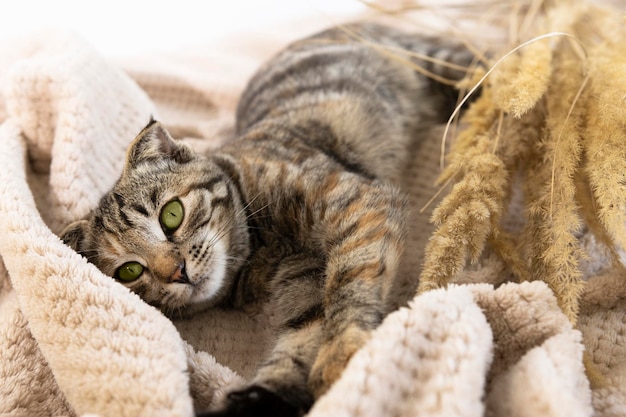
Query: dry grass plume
[{"x": 551, "y": 116}]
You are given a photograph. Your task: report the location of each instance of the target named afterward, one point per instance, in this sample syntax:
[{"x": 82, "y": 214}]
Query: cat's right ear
[
  {"x": 74, "y": 235},
  {"x": 155, "y": 143}
]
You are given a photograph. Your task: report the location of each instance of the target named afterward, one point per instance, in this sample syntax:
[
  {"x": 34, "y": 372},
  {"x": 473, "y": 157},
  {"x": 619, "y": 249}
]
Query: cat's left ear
[
  {"x": 155, "y": 143},
  {"x": 74, "y": 235}
]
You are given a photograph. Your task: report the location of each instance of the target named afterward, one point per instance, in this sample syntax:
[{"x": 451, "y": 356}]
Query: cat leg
[
  {"x": 280, "y": 386},
  {"x": 365, "y": 241}
]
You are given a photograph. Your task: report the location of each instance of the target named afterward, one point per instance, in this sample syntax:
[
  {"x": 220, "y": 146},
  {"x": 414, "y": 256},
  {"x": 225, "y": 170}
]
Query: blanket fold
[
  {"x": 92, "y": 333},
  {"x": 442, "y": 354}
]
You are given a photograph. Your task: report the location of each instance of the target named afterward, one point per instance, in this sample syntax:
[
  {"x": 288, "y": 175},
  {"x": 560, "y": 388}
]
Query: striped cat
[{"x": 299, "y": 211}]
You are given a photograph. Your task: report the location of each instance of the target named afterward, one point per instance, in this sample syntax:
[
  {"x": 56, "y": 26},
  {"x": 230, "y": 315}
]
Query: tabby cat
[{"x": 299, "y": 210}]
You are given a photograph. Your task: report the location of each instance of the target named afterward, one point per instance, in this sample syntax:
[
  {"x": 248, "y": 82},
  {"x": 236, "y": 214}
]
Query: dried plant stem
[
  {"x": 503, "y": 244},
  {"x": 553, "y": 217},
  {"x": 551, "y": 113},
  {"x": 440, "y": 191},
  {"x": 498, "y": 131},
  {"x": 605, "y": 139},
  {"x": 519, "y": 109},
  {"x": 479, "y": 119},
  {"x": 587, "y": 204},
  {"x": 530, "y": 17},
  {"x": 466, "y": 217},
  {"x": 522, "y": 135},
  {"x": 556, "y": 156},
  {"x": 403, "y": 56}
]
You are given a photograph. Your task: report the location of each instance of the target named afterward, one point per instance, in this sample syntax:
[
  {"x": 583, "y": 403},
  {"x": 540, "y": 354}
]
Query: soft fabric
[{"x": 74, "y": 342}]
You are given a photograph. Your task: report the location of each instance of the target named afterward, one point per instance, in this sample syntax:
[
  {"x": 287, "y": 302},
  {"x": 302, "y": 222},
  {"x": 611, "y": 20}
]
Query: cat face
[{"x": 172, "y": 229}]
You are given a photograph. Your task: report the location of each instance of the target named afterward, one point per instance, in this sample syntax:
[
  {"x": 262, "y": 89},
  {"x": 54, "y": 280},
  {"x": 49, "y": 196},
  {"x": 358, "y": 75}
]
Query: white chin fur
[{"x": 212, "y": 280}]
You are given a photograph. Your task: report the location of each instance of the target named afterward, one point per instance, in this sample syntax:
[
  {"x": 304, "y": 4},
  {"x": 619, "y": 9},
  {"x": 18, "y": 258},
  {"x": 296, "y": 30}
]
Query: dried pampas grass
[
  {"x": 551, "y": 117},
  {"x": 522, "y": 78}
]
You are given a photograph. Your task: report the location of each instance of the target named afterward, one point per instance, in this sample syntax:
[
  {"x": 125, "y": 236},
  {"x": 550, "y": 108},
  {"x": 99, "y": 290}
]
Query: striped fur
[{"x": 300, "y": 211}]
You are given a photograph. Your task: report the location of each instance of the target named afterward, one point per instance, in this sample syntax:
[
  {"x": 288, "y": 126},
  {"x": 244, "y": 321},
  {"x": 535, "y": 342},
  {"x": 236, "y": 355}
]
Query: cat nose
[{"x": 180, "y": 274}]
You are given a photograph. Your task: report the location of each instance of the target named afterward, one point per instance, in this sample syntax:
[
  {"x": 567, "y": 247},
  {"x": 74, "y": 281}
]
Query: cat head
[{"x": 172, "y": 229}]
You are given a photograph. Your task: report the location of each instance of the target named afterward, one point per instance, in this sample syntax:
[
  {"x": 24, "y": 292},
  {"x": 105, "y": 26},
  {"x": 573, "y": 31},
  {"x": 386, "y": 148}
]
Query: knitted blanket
[{"x": 74, "y": 342}]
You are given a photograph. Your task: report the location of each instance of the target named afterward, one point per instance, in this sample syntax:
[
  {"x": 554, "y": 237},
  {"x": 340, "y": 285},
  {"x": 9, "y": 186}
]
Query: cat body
[{"x": 299, "y": 211}]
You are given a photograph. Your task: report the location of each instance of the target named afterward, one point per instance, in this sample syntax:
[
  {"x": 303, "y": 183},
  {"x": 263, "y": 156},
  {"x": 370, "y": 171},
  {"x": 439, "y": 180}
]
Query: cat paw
[{"x": 254, "y": 401}]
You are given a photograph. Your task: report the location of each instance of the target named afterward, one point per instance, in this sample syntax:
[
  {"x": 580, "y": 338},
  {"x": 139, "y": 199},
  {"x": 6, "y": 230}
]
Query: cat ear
[
  {"x": 155, "y": 143},
  {"x": 74, "y": 235}
]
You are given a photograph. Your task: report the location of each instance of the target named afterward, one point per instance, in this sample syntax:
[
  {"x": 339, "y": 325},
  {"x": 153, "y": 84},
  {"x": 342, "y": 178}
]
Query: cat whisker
[
  {"x": 258, "y": 210},
  {"x": 166, "y": 300},
  {"x": 180, "y": 310},
  {"x": 249, "y": 203},
  {"x": 221, "y": 232},
  {"x": 245, "y": 207},
  {"x": 90, "y": 257}
]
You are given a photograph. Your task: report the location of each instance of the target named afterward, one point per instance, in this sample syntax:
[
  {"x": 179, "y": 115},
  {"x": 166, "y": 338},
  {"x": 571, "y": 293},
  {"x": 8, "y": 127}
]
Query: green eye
[
  {"x": 128, "y": 272},
  {"x": 172, "y": 215}
]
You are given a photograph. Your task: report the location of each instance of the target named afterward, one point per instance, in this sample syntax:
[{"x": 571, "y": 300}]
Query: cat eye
[
  {"x": 128, "y": 272},
  {"x": 172, "y": 215}
]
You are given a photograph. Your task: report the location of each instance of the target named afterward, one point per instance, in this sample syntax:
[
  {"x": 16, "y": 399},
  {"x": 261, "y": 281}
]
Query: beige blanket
[{"x": 74, "y": 342}]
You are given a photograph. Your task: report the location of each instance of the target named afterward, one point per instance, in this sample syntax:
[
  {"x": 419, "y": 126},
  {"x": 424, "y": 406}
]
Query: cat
[{"x": 300, "y": 210}]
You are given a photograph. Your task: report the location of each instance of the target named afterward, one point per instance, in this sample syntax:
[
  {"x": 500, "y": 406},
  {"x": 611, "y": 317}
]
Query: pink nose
[{"x": 180, "y": 274}]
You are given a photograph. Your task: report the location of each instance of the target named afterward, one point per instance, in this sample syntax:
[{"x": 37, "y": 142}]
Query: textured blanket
[{"x": 74, "y": 342}]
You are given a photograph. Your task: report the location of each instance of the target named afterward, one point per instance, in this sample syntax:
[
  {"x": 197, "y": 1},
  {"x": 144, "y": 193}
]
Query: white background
[{"x": 124, "y": 27}]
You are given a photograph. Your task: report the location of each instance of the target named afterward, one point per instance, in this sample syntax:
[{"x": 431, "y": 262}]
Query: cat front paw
[{"x": 254, "y": 401}]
